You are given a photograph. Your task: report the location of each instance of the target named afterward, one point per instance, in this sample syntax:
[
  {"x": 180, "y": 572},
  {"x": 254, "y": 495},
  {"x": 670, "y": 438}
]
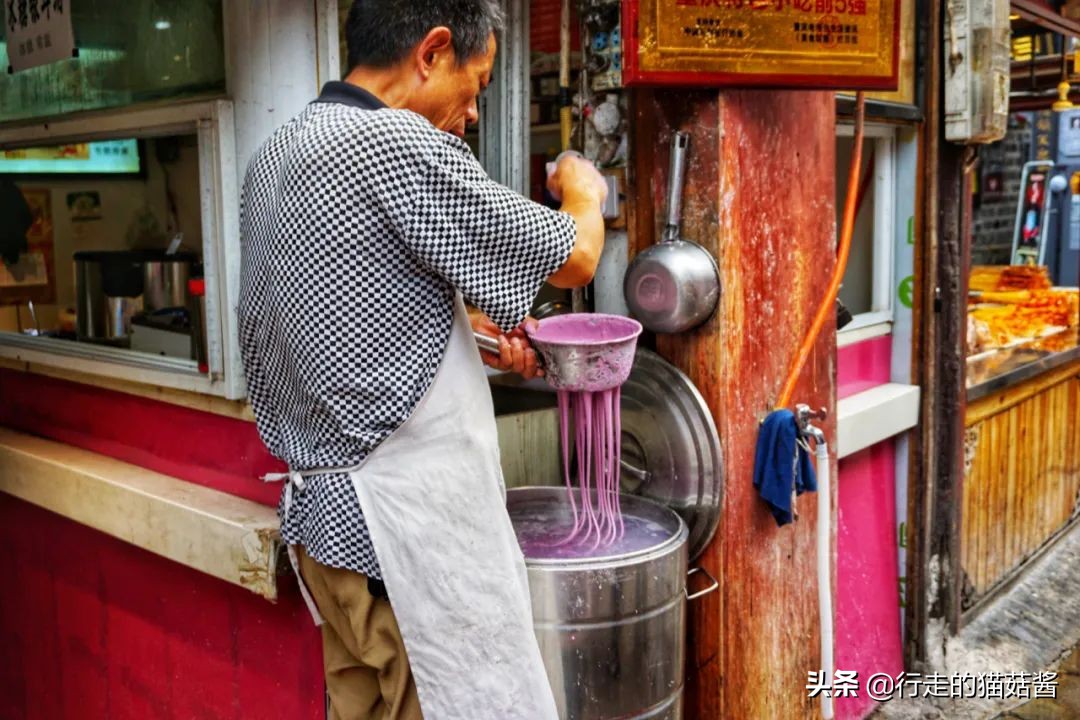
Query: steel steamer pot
[{"x": 612, "y": 628}]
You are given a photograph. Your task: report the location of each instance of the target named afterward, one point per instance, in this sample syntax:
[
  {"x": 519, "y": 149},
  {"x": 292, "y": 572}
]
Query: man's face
[{"x": 449, "y": 96}]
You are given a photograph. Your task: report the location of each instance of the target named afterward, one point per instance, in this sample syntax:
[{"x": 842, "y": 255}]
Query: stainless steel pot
[
  {"x": 611, "y": 629},
  {"x": 111, "y": 286},
  {"x": 165, "y": 280},
  {"x": 108, "y": 293}
]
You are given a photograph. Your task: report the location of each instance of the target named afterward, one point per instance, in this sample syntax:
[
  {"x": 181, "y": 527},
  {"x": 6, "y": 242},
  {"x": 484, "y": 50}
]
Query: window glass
[
  {"x": 129, "y": 51},
  {"x": 857, "y": 292},
  {"x": 96, "y": 270}
]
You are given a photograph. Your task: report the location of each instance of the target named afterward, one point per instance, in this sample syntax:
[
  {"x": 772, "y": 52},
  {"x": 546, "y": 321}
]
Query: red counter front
[{"x": 92, "y": 627}]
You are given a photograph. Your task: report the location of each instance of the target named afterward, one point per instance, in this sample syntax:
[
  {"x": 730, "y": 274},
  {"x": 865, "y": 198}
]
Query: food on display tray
[
  {"x": 1009, "y": 305},
  {"x": 991, "y": 278}
]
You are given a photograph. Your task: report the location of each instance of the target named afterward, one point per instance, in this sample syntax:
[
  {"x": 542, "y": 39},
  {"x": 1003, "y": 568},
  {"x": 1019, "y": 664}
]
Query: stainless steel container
[
  {"x": 165, "y": 280},
  {"x": 108, "y": 293},
  {"x": 111, "y": 286},
  {"x": 612, "y": 629}
]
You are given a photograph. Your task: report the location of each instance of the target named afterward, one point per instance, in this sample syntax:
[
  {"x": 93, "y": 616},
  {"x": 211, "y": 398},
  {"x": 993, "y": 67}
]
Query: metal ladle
[{"x": 674, "y": 285}]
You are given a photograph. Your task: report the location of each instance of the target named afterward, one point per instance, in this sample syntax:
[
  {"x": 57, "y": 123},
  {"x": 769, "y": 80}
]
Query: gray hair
[{"x": 380, "y": 33}]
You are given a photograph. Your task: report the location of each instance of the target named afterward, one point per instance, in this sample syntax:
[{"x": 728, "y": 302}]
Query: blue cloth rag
[{"x": 782, "y": 467}]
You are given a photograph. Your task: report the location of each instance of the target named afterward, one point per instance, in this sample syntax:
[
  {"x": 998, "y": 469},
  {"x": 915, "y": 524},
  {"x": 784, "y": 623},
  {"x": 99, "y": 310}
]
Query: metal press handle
[
  {"x": 714, "y": 584},
  {"x": 486, "y": 342},
  {"x": 633, "y": 471},
  {"x": 491, "y": 345},
  {"x": 680, "y": 144}
]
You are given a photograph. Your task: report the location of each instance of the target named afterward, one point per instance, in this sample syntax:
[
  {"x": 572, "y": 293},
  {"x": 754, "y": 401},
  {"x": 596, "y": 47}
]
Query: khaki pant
[{"x": 367, "y": 671}]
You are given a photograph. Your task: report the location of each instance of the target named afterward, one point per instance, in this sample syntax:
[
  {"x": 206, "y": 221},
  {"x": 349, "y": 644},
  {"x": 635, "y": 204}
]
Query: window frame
[
  {"x": 213, "y": 123},
  {"x": 878, "y": 321}
]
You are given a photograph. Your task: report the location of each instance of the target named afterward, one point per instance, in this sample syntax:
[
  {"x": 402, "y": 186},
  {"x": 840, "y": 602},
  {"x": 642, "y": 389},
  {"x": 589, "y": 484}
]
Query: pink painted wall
[
  {"x": 863, "y": 365},
  {"x": 198, "y": 447},
  {"x": 867, "y": 590},
  {"x": 92, "y": 627},
  {"x": 868, "y": 636}
]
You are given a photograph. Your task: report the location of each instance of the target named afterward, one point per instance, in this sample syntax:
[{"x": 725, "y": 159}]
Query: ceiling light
[{"x": 162, "y": 25}]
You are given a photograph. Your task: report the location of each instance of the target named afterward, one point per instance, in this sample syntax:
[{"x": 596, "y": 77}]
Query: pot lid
[{"x": 670, "y": 446}]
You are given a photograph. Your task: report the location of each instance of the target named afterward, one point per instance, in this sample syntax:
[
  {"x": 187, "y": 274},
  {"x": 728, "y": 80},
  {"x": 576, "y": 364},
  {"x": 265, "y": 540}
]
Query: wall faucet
[{"x": 803, "y": 416}]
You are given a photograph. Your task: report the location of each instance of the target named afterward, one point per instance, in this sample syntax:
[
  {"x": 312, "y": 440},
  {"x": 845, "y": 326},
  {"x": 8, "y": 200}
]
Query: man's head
[{"x": 438, "y": 52}]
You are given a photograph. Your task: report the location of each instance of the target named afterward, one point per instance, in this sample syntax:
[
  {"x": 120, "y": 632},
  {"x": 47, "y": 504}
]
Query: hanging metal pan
[{"x": 674, "y": 285}]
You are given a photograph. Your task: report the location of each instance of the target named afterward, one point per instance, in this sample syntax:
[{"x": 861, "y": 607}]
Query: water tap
[{"x": 803, "y": 416}]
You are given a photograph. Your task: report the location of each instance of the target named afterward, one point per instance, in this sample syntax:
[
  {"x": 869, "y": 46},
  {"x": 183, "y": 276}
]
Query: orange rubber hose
[{"x": 828, "y": 303}]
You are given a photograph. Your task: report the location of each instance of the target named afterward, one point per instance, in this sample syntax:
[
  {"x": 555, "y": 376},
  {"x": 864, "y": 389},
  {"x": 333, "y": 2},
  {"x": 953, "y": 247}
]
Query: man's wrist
[{"x": 587, "y": 194}]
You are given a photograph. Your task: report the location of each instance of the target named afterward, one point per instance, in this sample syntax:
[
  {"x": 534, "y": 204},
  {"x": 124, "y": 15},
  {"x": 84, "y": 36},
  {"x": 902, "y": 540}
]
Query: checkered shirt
[{"x": 358, "y": 224}]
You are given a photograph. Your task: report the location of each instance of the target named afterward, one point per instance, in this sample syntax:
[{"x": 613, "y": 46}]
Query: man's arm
[{"x": 583, "y": 192}]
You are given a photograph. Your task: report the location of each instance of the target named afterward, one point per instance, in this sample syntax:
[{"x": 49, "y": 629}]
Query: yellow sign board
[{"x": 833, "y": 44}]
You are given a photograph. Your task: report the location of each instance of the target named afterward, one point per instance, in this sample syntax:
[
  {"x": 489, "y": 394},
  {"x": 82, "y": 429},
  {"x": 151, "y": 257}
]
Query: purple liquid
[
  {"x": 585, "y": 329},
  {"x": 541, "y": 538}
]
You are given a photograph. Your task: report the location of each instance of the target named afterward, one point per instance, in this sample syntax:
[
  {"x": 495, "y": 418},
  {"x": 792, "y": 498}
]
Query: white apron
[{"x": 435, "y": 504}]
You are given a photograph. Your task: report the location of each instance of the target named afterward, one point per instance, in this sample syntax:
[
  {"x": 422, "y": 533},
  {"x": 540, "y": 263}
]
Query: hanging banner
[{"x": 38, "y": 32}]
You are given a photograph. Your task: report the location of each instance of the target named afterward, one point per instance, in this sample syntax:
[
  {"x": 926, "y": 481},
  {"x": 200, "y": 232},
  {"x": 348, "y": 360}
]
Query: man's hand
[
  {"x": 575, "y": 178},
  {"x": 582, "y": 191},
  {"x": 515, "y": 352}
]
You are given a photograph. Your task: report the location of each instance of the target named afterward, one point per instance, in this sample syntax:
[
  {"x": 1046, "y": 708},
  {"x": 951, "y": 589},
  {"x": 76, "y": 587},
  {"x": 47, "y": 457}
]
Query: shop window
[
  {"x": 126, "y": 209},
  {"x": 867, "y": 284},
  {"x": 129, "y": 51}
]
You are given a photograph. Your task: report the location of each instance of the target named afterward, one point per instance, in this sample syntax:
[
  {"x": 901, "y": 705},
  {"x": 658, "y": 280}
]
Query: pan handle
[
  {"x": 680, "y": 144},
  {"x": 713, "y": 584}
]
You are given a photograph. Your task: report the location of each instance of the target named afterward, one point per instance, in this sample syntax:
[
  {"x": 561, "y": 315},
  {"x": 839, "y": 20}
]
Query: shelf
[{"x": 225, "y": 536}]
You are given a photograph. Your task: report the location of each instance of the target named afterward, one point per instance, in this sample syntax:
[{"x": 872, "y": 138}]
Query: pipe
[
  {"x": 828, "y": 303},
  {"x": 824, "y": 576},
  {"x": 565, "y": 119}
]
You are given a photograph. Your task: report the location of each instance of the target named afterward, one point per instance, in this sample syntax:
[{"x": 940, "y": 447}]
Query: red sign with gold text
[{"x": 827, "y": 44}]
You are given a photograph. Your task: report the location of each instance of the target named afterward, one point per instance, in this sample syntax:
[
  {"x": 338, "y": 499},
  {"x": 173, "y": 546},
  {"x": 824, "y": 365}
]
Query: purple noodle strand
[
  {"x": 616, "y": 414},
  {"x": 564, "y": 430},
  {"x": 587, "y": 435},
  {"x": 597, "y": 447},
  {"x": 600, "y": 438}
]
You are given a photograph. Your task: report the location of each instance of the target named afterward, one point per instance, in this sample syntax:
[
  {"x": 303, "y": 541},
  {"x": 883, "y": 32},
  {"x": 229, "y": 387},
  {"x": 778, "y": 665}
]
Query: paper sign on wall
[{"x": 38, "y": 32}]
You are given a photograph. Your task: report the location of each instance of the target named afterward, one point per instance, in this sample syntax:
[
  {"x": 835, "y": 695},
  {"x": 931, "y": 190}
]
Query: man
[{"x": 365, "y": 223}]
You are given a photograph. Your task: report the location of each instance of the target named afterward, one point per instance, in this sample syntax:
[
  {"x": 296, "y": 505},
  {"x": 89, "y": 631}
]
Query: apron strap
[{"x": 296, "y": 479}]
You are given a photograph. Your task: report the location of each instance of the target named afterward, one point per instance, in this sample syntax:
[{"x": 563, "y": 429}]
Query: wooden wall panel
[
  {"x": 1022, "y": 483},
  {"x": 760, "y": 196}
]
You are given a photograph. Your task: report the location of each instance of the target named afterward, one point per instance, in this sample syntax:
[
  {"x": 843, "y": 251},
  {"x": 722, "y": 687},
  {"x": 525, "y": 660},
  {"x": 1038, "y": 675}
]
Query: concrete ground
[
  {"x": 1066, "y": 706},
  {"x": 1032, "y": 627}
]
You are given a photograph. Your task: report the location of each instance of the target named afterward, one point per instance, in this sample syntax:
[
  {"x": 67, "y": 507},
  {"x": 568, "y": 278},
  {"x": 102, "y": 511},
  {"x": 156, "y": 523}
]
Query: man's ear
[{"x": 436, "y": 47}]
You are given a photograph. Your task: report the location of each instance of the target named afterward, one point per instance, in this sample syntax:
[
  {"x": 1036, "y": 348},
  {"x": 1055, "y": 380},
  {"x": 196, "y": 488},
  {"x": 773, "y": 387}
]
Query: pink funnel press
[{"x": 586, "y": 351}]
